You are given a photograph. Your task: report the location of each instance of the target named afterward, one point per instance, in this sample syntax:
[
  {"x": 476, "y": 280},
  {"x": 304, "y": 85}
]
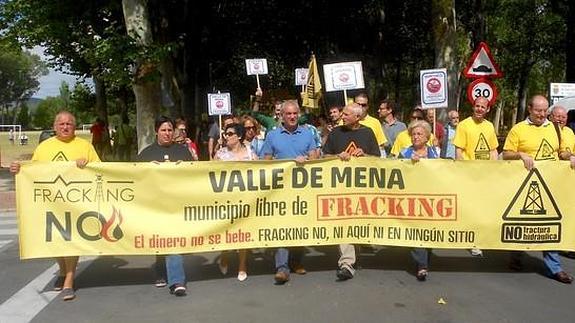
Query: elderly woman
[
  {"x": 420, "y": 132},
  {"x": 235, "y": 149}
]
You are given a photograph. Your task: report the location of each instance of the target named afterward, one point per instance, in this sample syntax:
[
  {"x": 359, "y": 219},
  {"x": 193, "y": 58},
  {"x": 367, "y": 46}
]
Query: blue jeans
[
  {"x": 171, "y": 266},
  {"x": 421, "y": 257},
  {"x": 282, "y": 258},
  {"x": 552, "y": 262}
]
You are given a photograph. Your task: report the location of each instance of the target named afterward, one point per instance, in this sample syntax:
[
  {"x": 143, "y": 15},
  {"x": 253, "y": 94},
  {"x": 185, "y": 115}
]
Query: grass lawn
[{"x": 10, "y": 152}]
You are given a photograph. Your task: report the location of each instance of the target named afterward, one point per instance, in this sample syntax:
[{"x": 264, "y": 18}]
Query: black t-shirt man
[{"x": 342, "y": 139}]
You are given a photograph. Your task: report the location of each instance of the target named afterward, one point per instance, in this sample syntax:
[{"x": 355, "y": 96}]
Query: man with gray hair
[
  {"x": 350, "y": 140},
  {"x": 289, "y": 141},
  {"x": 558, "y": 116}
]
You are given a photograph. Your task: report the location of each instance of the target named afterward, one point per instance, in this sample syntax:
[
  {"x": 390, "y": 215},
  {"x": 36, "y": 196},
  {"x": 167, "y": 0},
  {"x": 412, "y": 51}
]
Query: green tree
[
  {"x": 46, "y": 111},
  {"x": 528, "y": 38},
  {"x": 19, "y": 74},
  {"x": 23, "y": 117},
  {"x": 82, "y": 103}
]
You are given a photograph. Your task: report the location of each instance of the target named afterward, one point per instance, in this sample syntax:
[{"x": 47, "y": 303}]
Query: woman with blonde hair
[{"x": 420, "y": 132}]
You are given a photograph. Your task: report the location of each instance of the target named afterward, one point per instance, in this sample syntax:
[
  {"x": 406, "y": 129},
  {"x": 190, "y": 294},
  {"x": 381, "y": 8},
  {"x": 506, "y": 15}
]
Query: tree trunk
[
  {"x": 497, "y": 116},
  {"x": 445, "y": 39},
  {"x": 521, "y": 97},
  {"x": 101, "y": 102},
  {"x": 570, "y": 44},
  {"x": 147, "y": 90}
]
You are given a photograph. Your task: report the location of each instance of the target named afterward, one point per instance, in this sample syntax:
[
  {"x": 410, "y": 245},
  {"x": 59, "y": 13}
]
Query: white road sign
[
  {"x": 301, "y": 76},
  {"x": 219, "y": 104},
  {"x": 433, "y": 84},
  {"x": 343, "y": 76},
  {"x": 257, "y": 66}
]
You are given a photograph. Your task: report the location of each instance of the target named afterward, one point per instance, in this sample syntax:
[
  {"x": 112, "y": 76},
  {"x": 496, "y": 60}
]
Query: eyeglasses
[
  {"x": 250, "y": 128},
  {"x": 229, "y": 133},
  {"x": 182, "y": 129}
]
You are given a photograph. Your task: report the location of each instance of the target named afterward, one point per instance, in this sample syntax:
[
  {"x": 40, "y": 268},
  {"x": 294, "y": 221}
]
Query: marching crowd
[{"x": 345, "y": 132}]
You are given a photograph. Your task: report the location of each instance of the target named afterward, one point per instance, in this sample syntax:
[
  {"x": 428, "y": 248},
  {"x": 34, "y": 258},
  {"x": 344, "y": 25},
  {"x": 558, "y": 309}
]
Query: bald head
[
  {"x": 480, "y": 108},
  {"x": 482, "y": 100},
  {"x": 538, "y": 106}
]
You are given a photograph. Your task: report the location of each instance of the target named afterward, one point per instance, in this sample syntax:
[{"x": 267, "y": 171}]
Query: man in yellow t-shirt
[
  {"x": 371, "y": 122},
  {"x": 475, "y": 137},
  {"x": 533, "y": 140},
  {"x": 65, "y": 146}
]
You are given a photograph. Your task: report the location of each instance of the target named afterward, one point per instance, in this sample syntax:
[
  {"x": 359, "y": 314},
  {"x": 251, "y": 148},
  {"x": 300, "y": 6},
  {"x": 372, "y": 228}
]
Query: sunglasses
[{"x": 362, "y": 104}]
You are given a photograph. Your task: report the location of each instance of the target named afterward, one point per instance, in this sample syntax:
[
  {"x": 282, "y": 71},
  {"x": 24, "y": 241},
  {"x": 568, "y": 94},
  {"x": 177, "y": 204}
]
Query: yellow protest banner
[{"x": 147, "y": 208}]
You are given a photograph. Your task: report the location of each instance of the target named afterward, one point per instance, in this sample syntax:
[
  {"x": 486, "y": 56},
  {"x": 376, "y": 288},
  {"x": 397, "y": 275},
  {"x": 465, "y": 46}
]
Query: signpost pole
[
  {"x": 344, "y": 97},
  {"x": 258, "y": 80}
]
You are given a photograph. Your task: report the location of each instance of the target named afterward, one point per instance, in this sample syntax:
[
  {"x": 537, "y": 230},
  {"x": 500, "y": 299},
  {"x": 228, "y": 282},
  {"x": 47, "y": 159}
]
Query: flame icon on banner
[{"x": 111, "y": 230}]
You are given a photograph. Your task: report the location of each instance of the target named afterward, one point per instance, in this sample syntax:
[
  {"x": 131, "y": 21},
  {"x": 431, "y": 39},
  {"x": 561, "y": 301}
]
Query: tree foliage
[
  {"x": 197, "y": 47},
  {"x": 19, "y": 74}
]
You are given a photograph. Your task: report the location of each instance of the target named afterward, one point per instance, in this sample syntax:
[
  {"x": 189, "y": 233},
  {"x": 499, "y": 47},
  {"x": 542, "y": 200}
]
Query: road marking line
[
  {"x": 30, "y": 300},
  {"x": 4, "y": 243},
  {"x": 8, "y": 232}
]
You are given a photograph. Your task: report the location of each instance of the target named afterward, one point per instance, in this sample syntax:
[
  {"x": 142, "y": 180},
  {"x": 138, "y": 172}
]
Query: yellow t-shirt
[
  {"x": 539, "y": 142},
  {"x": 54, "y": 149},
  {"x": 375, "y": 126},
  {"x": 475, "y": 139},
  {"x": 403, "y": 140},
  {"x": 568, "y": 139}
]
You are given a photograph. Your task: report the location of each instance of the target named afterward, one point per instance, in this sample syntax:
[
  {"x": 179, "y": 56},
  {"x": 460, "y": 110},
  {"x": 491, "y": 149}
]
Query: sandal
[
  {"x": 421, "y": 274},
  {"x": 68, "y": 294},
  {"x": 59, "y": 283}
]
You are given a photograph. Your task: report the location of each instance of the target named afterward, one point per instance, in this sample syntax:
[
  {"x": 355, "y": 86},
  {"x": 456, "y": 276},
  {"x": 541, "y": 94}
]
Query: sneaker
[
  {"x": 178, "y": 290},
  {"x": 242, "y": 276},
  {"x": 59, "y": 283},
  {"x": 476, "y": 252},
  {"x": 343, "y": 273},
  {"x": 68, "y": 294},
  {"x": 160, "y": 282},
  {"x": 281, "y": 277}
]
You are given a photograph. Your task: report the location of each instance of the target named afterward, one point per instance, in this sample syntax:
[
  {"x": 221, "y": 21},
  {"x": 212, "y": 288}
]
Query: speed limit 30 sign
[{"x": 482, "y": 87}]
